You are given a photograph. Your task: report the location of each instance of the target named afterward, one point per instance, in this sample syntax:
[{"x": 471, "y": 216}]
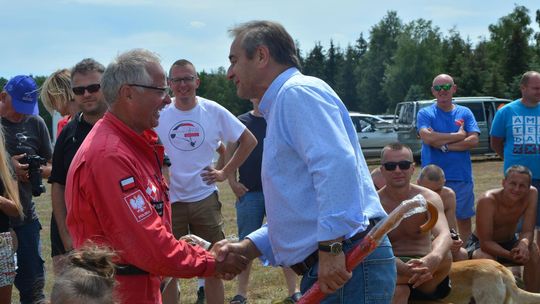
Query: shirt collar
[{"x": 273, "y": 89}]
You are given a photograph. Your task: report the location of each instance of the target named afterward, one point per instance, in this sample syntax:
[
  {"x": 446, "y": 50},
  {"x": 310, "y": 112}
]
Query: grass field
[{"x": 266, "y": 283}]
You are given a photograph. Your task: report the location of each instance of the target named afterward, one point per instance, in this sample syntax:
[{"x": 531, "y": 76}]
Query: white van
[{"x": 483, "y": 108}]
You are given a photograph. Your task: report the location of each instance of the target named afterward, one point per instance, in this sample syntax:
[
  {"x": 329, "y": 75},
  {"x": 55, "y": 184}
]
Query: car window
[
  {"x": 406, "y": 114},
  {"x": 477, "y": 109}
]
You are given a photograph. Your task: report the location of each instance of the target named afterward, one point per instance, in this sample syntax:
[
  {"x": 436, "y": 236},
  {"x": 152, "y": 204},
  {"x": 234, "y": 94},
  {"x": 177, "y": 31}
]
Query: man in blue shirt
[
  {"x": 448, "y": 133},
  {"x": 319, "y": 197},
  {"x": 516, "y": 129}
]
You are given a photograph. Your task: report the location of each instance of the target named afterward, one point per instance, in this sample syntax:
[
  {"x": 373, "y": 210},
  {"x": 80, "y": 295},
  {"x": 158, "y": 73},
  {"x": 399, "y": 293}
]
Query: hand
[
  {"x": 461, "y": 132},
  {"x": 332, "y": 272},
  {"x": 21, "y": 170},
  {"x": 520, "y": 253},
  {"x": 238, "y": 188},
  {"x": 456, "y": 245},
  {"x": 421, "y": 271},
  {"x": 212, "y": 175},
  {"x": 229, "y": 263}
]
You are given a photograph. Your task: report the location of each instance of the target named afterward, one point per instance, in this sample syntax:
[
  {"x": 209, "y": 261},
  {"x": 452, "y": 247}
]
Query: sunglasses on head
[
  {"x": 403, "y": 165},
  {"x": 446, "y": 87},
  {"x": 91, "y": 89}
]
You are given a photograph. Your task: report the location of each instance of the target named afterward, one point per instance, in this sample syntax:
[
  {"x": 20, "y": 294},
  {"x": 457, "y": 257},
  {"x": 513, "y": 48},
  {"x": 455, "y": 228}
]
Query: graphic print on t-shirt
[
  {"x": 526, "y": 133},
  {"x": 186, "y": 135}
]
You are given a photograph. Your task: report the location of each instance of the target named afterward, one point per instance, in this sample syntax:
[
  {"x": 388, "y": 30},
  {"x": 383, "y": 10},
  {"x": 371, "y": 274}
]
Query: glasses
[
  {"x": 446, "y": 87},
  {"x": 403, "y": 165},
  {"x": 178, "y": 80},
  {"x": 91, "y": 89},
  {"x": 165, "y": 91}
]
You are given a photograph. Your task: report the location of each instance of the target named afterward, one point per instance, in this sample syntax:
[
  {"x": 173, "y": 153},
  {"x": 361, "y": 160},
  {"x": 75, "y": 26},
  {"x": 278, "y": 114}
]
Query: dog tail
[{"x": 514, "y": 292}]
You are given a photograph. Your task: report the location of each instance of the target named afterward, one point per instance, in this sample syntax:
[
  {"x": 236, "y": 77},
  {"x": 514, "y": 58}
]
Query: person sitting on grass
[
  {"x": 432, "y": 177},
  {"x": 498, "y": 213}
]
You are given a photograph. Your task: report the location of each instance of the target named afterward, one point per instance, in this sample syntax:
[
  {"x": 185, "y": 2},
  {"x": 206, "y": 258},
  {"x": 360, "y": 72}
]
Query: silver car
[{"x": 373, "y": 133}]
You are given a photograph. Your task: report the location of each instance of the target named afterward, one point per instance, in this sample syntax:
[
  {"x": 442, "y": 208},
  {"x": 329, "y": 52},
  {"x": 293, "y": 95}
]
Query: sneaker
[
  {"x": 200, "y": 296},
  {"x": 238, "y": 299}
]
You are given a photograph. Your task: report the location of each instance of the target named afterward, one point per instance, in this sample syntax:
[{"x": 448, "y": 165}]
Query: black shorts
[
  {"x": 474, "y": 243},
  {"x": 442, "y": 290},
  {"x": 57, "y": 247}
]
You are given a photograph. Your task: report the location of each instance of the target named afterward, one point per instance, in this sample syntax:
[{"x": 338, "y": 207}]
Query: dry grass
[{"x": 267, "y": 284}]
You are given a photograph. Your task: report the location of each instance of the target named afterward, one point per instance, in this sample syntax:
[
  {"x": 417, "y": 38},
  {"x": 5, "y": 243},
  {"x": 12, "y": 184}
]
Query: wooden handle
[{"x": 433, "y": 217}]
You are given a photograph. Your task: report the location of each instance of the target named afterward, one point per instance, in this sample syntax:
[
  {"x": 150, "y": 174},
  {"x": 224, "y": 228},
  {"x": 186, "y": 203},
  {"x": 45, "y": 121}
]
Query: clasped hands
[{"x": 231, "y": 257}]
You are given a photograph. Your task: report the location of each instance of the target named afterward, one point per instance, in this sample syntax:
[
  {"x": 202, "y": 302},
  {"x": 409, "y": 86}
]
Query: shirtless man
[
  {"x": 432, "y": 177},
  {"x": 422, "y": 263},
  {"x": 498, "y": 214}
]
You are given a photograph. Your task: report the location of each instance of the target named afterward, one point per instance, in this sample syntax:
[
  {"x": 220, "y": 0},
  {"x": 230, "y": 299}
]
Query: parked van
[{"x": 483, "y": 108}]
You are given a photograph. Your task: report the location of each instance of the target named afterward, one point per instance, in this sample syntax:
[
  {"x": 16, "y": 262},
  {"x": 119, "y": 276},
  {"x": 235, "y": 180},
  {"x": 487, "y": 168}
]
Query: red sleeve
[{"x": 132, "y": 226}]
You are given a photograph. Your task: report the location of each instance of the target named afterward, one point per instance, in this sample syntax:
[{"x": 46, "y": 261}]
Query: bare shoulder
[
  {"x": 489, "y": 199},
  {"x": 447, "y": 193},
  {"x": 428, "y": 194}
]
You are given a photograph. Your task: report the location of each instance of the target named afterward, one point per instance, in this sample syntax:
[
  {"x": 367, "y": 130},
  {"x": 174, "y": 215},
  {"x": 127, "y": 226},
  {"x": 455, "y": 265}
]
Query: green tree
[
  {"x": 510, "y": 49},
  {"x": 314, "y": 64},
  {"x": 416, "y": 61},
  {"x": 381, "y": 48},
  {"x": 333, "y": 64},
  {"x": 348, "y": 77}
]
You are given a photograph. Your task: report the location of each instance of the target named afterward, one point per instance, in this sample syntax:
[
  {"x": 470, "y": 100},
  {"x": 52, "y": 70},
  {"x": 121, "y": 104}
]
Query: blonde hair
[
  {"x": 88, "y": 279},
  {"x": 57, "y": 87},
  {"x": 11, "y": 190}
]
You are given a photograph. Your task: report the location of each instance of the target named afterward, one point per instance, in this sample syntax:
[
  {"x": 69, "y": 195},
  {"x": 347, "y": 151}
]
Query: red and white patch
[
  {"x": 459, "y": 122},
  {"x": 138, "y": 205},
  {"x": 151, "y": 190},
  {"x": 127, "y": 183}
]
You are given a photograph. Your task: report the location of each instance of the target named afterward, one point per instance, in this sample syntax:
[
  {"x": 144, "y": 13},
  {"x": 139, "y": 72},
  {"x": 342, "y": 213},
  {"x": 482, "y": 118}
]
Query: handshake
[{"x": 231, "y": 257}]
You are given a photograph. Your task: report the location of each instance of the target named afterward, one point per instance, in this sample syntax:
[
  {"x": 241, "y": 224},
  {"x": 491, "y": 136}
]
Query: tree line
[{"x": 397, "y": 62}]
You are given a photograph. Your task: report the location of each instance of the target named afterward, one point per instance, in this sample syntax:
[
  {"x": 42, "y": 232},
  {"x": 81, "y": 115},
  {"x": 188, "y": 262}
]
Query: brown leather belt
[{"x": 305, "y": 265}]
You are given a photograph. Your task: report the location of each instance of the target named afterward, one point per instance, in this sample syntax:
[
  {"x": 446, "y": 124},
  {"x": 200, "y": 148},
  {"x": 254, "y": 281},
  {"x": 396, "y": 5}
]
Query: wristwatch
[
  {"x": 444, "y": 148},
  {"x": 334, "y": 248}
]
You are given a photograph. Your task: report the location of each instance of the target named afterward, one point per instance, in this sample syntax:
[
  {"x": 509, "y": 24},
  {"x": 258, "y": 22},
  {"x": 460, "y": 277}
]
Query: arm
[
  {"x": 485, "y": 212},
  {"x": 471, "y": 141},
  {"x": 448, "y": 198},
  {"x": 60, "y": 212},
  {"x": 520, "y": 252},
  {"x": 425, "y": 267},
  {"x": 221, "y": 150},
  {"x": 246, "y": 143},
  {"x": 437, "y": 139},
  {"x": 46, "y": 169},
  {"x": 497, "y": 144},
  {"x": 8, "y": 207},
  {"x": 237, "y": 187}
]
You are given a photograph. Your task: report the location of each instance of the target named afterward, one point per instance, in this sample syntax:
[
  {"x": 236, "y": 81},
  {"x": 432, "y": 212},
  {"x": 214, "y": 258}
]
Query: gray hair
[
  {"x": 432, "y": 173},
  {"x": 87, "y": 65},
  {"x": 270, "y": 34},
  {"x": 519, "y": 169},
  {"x": 127, "y": 68}
]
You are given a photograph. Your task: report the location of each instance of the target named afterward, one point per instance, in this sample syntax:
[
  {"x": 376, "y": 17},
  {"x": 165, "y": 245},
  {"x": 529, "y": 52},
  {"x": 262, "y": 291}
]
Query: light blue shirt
[
  {"x": 316, "y": 183},
  {"x": 519, "y": 125}
]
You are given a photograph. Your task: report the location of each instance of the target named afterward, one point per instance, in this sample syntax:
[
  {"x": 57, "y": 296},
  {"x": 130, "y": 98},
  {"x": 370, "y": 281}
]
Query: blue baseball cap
[{"x": 23, "y": 91}]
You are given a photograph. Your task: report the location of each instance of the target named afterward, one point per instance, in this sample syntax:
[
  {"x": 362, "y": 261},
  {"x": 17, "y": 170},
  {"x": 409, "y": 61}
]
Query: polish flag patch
[
  {"x": 138, "y": 205},
  {"x": 151, "y": 190},
  {"x": 127, "y": 183}
]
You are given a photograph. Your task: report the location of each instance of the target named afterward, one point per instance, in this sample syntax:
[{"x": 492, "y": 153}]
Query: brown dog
[{"x": 485, "y": 281}]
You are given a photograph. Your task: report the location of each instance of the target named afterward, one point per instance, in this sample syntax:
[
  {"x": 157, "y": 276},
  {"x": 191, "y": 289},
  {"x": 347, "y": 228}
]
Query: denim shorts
[
  {"x": 464, "y": 198},
  {"x": 250, "y": 213},
  {"x": 373, "y": 281}
]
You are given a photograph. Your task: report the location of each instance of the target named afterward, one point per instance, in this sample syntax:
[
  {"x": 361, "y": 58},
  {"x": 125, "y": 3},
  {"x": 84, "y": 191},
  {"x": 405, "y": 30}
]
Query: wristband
[{"x": 444, "y": 148}]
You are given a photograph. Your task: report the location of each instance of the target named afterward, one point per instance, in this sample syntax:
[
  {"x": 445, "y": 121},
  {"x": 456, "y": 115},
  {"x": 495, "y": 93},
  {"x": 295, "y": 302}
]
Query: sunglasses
[
  {"x": 446, "y": 87},
  {"x": 91, "y": 89},
  {"x": 403, "y": 165}
]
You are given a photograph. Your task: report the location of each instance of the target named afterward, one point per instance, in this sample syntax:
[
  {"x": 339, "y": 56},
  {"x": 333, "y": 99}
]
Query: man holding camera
[{"x": 28, "y": 143}]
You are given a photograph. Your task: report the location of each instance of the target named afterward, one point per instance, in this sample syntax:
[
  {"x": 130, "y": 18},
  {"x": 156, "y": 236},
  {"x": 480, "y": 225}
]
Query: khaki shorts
[{"x": 202, "y": 218}]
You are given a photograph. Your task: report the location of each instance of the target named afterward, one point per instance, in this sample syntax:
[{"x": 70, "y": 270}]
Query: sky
[{"x": 41, "y": 36}]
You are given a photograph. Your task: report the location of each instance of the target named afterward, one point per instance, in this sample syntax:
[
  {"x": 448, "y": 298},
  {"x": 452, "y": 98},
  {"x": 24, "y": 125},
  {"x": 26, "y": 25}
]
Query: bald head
[{"x": 443, "y": 79}]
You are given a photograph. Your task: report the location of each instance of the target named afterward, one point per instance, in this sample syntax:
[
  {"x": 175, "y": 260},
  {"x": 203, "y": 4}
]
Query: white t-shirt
[{"x": 191, "y": 139}]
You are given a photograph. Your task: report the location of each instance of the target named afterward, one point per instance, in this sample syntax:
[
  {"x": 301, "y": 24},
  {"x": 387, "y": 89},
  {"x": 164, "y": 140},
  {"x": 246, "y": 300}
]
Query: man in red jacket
[{"x": 116, "y": 194}]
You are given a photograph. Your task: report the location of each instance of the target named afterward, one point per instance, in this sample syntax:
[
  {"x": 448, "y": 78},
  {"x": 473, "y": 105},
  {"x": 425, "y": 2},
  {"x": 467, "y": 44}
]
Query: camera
[{"x": 34, "y": 172}]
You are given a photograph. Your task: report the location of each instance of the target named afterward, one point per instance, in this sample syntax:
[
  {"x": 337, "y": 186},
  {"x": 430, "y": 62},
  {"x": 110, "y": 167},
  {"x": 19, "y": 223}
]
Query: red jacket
[{"x": 112, "y": 188}]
